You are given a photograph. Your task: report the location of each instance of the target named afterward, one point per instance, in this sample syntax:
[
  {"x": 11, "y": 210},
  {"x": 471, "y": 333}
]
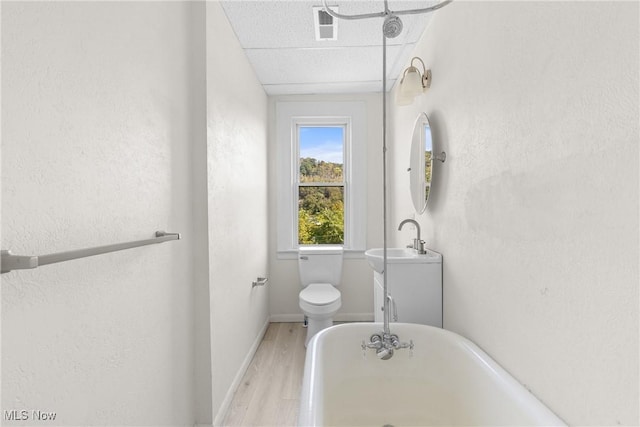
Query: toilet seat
[
  {"x": 319, "y": 294},
  {"x": 320, "y": 299}
]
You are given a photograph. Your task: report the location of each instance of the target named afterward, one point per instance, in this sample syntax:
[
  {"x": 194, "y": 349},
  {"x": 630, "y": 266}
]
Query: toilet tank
[{"x": 320, "y": 264}]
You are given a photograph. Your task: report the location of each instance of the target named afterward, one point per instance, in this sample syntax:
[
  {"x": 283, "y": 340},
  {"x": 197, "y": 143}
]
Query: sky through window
[{"x": 322, "y": 143}]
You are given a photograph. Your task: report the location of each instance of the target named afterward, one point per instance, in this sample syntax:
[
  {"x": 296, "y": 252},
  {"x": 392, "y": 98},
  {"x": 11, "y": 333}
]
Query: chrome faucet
[
  {"x": 385, "y": 344},
  {"x": 418, "y": 244}
]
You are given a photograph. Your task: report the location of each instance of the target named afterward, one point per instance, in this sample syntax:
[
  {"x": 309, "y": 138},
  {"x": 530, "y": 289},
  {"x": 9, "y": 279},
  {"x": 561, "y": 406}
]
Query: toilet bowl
[{"x": 320, "y": 269}]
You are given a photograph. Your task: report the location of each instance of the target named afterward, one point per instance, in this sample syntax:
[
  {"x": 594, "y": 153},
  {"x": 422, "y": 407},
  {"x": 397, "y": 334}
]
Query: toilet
[{"x": 320, "y": 269}]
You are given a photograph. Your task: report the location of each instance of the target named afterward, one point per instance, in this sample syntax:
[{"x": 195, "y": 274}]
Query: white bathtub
[{"x": 446, "y": 380}]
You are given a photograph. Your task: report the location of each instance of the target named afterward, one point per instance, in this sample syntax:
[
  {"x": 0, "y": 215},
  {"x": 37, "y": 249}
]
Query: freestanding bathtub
[{"x": 446, "y": 380}]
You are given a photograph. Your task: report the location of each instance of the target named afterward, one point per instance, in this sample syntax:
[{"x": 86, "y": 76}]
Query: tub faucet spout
[
  {"x": 384, "y": 353},
  {"x": 384, "y": 345},
  {"x": 418, "y": 244}
]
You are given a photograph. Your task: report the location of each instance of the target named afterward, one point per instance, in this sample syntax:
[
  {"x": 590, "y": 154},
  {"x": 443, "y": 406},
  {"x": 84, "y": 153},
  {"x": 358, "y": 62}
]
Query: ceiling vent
[{"x": 325, "y": 24}]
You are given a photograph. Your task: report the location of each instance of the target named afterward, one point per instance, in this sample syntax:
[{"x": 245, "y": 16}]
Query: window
[
  {"x": 321, "y": 184},
  {"x": 321, "y": 172}
]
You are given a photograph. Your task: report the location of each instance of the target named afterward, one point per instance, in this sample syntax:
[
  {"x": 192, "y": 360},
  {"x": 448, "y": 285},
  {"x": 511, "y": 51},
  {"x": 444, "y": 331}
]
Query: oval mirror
[{"x": 420, "y": 163}]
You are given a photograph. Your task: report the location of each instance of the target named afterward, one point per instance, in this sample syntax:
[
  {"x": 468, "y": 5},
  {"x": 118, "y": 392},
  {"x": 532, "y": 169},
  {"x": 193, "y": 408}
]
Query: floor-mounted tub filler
[{"x": 443, "y": 379}]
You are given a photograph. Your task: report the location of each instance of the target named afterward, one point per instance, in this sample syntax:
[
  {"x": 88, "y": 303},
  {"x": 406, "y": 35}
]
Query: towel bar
[
  {"x": 20, "y": 262},
  {"x": 260, "y": 281}
]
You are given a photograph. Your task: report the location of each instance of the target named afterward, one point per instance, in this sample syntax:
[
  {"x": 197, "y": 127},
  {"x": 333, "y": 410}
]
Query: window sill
[{"x": 348, "y": 254}]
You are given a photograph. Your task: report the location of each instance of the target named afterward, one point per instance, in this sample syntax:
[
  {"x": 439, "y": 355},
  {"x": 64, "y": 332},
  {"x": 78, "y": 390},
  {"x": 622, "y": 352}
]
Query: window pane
[
  {"x": 428, "y": 152},
  {"x": 320, "y": 215},
  {"x": 321, "y": 153}
]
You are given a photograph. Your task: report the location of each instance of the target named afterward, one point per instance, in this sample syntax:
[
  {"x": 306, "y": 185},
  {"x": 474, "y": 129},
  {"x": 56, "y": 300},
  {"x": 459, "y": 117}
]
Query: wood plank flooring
[{"x": 269, "y": 393}]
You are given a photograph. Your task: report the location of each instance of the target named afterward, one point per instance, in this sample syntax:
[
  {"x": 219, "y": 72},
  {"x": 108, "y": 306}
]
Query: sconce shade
[
  {"x": 412, "y": 83},
  {"x": 402, "y": 99}
]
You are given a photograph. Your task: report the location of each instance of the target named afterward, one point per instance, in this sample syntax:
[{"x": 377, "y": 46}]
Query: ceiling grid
[{"x": 279, "y": 40}]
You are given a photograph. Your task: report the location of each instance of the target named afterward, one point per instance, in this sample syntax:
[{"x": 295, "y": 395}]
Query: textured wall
[
  {"x": 122, "y": 119},
  {"x": 97, "y": 121},
  {"x": 536, "y": 207},
  {"x": 237, "y": 204}
]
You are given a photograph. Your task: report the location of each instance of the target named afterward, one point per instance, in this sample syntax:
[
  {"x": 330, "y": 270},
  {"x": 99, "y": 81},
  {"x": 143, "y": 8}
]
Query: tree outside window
[{"x": 321, "y": 184}]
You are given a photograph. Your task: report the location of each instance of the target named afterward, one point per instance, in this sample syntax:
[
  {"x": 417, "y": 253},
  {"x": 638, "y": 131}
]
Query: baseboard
[
  {"x": 354, "y": 317},
  {"x": 226, "y": 403},
  {"x": 283, "y": 318},
  {"x": 340, "y": 317}
]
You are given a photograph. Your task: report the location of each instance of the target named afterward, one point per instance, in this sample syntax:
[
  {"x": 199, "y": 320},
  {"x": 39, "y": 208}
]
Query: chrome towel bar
[{"x": 20, "y": 262}]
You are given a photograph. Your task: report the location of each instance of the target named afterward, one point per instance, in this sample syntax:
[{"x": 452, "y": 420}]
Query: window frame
[
  {"x": 289, "y": 116},
  {"x": 345, "y": 124}
]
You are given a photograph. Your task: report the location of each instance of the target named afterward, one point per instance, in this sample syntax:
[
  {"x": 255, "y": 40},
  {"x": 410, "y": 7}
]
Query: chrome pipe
[
  {"x": 423, "y": 10},
  {"x": 385, "y": 289},
  {"x": 351, "y": 17},
  {"x": 386, "y": 12},
  {"x": 386, "y": 343}
]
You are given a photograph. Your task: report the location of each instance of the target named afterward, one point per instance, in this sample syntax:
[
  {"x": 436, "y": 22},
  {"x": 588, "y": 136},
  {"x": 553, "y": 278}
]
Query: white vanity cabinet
[{"x": 415, "y": 289}]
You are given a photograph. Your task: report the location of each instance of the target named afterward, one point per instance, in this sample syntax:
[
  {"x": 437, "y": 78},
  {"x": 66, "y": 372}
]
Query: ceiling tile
[
  {"x": 279, "y": 66},
  {"x": 279, "y": 40}
]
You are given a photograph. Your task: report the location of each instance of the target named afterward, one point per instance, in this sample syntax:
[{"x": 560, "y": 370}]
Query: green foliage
[
  {"x": 427, "y": 174},
  {"x": 427, "y": 169},
  {"x": 305, "y": 227},
  {"x": 321, "y": 208},
  {"x": 325, "y": 227},
  {"x": 317, "y": 198},
  {"x": 312, "y": 170}
]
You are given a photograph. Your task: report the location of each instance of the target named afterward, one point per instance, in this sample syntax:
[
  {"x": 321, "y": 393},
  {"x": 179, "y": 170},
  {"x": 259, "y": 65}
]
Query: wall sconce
[{"x": 413, "y": 83}]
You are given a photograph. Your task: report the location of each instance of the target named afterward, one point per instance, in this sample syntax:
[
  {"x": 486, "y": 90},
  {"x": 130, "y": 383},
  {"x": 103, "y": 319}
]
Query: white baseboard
[
  {"x": 278, "y": 318},
  {"x": 226, "y": 403},
  {"x": 354, "y": 317},
  {"x": 340, "y": 317}
]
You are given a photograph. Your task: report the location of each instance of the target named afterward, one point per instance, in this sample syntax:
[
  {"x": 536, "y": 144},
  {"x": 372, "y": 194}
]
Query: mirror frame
[{"x": 421, "y": 163}]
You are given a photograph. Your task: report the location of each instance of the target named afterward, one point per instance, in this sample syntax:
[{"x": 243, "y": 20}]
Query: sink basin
[{"x": 375, "y": 257}]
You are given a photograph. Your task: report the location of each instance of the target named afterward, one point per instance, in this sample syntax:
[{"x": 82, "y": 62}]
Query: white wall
[
  {"x": 357, "y": 276},
  {"x": 121, "y": 119},
  {"x": 536, "y": 207},
  {"x": 237, "y": 182},
  {"x": 199, "y": 241},
  {"x": 97, "y": 114}
]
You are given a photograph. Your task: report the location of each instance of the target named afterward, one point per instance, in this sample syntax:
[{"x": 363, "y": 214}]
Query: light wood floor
[{"x": 269, "y": 393}]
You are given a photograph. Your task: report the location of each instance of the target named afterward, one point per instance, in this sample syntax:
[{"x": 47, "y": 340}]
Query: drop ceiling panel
[
  {"x": 325, "y": 88},
  {"x": 268, "y": 24},
  {"x": 279, "y": 40},
  {"x": 317, "y": 65}
]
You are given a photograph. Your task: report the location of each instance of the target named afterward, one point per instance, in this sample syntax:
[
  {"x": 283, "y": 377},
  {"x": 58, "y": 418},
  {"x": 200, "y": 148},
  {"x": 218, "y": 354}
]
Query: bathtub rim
[{"x": 310, "y": 415}]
